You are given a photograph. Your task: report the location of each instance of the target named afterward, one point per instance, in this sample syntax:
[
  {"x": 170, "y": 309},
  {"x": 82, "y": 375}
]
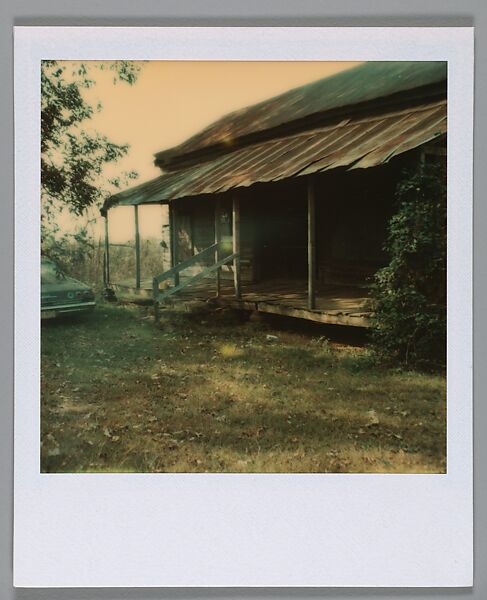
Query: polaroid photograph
[{"x": 243, "y": 307}]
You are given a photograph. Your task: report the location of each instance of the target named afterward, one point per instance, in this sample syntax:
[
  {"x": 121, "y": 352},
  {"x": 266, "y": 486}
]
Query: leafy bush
[{"x": 410, "y": 292}]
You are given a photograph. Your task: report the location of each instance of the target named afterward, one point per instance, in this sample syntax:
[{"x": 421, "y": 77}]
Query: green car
[{"x": 62, "y": 295}]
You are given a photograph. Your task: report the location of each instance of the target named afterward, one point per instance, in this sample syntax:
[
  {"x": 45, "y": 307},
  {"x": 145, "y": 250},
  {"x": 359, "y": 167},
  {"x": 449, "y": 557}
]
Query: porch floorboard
[{"x": 339, "y": 305}]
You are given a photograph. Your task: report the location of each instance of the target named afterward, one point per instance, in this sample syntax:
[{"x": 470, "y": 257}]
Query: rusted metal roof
[
  {"x": 367, "y": 83},
  {"x": 352, "y": 143}
]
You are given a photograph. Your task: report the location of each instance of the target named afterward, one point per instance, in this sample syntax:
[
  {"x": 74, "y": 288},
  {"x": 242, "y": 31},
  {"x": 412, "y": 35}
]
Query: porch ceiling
[{"x": 352, "y": 143}]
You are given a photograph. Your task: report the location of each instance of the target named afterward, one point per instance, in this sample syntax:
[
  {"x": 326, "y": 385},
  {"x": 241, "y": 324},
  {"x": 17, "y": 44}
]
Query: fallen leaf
[{"x": 373, "y": 418}]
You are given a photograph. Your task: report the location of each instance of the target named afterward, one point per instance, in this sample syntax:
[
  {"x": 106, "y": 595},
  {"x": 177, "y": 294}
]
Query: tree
[
  {"x": 410, "y": 292},
  {"x": 73, "y": 159}
]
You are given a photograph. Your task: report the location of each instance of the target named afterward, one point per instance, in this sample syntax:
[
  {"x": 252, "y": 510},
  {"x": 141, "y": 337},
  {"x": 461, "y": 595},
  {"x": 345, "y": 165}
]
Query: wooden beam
[
  {"x": 106, "y": 272},
  {"x": 421, "y": 159},
  {"x": 137, "y": 247},
  {"x": 331, "y": 318},
  {"x": 155, "y": 298},
  {"x": 311, "y": 245},
  {"x": 314, "y": 315},
  {"x": 435, "y": 150},
  {"x": 218, "y": 241},
  {"x": 173, "y": 235},
  {"x": 187, "y": 263},
  {"x": 198, "y": 277},
  {"x": 236, "y": 246}
]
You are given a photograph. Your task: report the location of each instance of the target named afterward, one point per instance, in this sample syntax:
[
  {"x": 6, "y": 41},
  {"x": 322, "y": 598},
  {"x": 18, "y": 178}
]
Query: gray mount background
[{"x": 240, "y": 13}]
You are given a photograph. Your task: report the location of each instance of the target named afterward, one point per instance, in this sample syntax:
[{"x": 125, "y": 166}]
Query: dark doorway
[{"x": 282, "y": 234}]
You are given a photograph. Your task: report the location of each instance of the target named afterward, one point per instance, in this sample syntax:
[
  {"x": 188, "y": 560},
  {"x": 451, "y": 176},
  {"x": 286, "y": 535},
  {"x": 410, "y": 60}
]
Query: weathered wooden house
[{"x": 282, "y": 207}]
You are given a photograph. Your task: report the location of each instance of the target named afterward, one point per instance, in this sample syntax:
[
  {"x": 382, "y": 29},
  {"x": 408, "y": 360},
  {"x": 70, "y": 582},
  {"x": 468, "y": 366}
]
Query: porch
[
  {"x": 334, "y": 305},
  {"x": 246, "y": 252}
]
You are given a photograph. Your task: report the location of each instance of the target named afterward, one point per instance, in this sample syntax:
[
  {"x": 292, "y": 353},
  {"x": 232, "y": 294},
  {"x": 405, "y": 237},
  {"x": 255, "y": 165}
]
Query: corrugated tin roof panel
[
  {"x": 362, "y": 143},
  {"x": 365, "y": 83}
]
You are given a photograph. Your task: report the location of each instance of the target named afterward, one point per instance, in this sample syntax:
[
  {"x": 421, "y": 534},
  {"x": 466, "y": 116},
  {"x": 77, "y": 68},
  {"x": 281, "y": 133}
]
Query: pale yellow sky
[{"x": 173, "y": 100}]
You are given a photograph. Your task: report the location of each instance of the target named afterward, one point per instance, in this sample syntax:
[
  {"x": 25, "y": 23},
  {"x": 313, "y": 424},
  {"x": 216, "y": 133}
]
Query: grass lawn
[{"x": 210, "y": 392}]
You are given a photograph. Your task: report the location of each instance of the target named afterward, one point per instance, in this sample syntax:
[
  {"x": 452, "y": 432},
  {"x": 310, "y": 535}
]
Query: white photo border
[{"x": 187, "y": 530}]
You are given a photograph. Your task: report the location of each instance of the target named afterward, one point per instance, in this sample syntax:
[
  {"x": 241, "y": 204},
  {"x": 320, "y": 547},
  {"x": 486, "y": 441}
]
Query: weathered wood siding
[{"x": 196, "y": 231}]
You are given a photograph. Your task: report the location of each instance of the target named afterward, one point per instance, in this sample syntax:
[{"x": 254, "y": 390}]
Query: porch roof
[{"x": 352, "y": 143}]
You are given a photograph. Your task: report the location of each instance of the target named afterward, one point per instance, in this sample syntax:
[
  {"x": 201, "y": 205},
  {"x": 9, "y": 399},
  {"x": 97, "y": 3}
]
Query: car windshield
[{"x": 50, "y": 272}]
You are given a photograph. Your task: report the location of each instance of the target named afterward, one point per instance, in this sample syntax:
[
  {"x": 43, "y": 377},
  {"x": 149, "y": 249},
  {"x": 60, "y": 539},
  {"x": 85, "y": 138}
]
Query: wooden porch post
[
  {"x": 173, "y": 241},
  {"x": 311, "y": 245},
  {"x": 217, "y": 241},
  {"x": 106, "y": 272},
  {"x": 137, "y": 247},
  {"x": 236, "y": 246}
]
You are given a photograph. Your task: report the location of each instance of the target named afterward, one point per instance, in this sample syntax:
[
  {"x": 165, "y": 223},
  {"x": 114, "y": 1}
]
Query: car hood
[{"x": 65, "y": 285}]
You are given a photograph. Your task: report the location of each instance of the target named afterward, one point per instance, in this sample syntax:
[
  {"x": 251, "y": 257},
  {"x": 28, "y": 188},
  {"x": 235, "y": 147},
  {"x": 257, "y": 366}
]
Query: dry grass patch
[{"x": 213, "y": 393}]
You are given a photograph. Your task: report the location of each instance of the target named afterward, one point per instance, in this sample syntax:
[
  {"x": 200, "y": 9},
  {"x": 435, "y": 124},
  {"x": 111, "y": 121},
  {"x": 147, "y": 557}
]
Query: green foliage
[
  {"x": 72, "y": 158},
  {"x": 76, "y": 253},
  {"x": 81, "y": 257},
  {"x": 410, "y": 292}
]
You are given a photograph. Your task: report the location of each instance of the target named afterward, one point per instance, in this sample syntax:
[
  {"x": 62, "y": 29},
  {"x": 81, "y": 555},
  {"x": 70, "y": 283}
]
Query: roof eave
[{"x": 173, "y": 159}]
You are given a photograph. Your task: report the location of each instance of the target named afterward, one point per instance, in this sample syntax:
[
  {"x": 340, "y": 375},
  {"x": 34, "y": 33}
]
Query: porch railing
[{"x": 161, "y": 295}]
